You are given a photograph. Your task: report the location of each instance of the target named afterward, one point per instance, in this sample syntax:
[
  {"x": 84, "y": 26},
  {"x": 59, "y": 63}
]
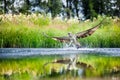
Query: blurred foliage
[{"x": 27, "y": 31}]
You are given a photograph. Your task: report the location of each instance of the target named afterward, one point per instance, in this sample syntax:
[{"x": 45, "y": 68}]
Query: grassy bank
[
  {"x": 27, "y": 31},
  {"x": 33, "y": 69}
]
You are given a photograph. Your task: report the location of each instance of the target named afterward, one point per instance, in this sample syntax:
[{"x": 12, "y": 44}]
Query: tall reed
[{"x": 27, "y": 31}]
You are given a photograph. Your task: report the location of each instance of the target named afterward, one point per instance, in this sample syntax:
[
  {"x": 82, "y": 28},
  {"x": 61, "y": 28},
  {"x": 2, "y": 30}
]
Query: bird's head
[{"x": 70, "y": 34}]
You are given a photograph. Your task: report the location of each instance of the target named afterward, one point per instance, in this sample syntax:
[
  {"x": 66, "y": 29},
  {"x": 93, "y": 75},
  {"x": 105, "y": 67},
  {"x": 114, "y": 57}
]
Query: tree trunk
[
  {"x": 5, "y": 4},
  {"x": 68, "y": 10},
  {"x": 28, "y": 2}
]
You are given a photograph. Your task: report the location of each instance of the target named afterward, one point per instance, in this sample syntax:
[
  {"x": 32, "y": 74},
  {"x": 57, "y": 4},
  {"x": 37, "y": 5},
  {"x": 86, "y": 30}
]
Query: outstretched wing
[
  {"x": 78, "y": 35},
  {"x": 88, "y": 32},
  {"x": 61, "y": 39}
]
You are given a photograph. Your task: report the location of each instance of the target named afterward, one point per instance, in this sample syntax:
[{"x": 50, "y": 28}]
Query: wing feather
[
  {"x": 88, "y": 32},
  {"x": 61, "y": 39}
]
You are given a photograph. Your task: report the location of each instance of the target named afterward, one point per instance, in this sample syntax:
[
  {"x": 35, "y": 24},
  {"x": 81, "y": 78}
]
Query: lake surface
[
  {"x": 52, "y": 64},
  {"x": 22, "y": 52}
]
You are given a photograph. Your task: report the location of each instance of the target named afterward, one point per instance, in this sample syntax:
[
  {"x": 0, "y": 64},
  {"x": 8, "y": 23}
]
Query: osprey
[{"x": 71, "y": 39}]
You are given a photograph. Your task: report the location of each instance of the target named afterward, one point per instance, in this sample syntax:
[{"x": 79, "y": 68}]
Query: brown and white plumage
[
  {"x": 62, "y": 39},
  {"x": 88, "y": 32},
  {"x": 73, "y": 37}
]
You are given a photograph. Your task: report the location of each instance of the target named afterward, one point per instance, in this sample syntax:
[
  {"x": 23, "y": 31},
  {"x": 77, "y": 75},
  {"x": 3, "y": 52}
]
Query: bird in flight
[{"x": 71, "y": 39}]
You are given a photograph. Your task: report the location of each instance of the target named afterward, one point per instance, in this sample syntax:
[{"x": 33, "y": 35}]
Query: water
[
  {"x": 22, "y": 52},
  {"x": 60, "y": 63}
]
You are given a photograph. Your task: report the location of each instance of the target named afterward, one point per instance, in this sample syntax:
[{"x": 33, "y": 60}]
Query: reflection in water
[
  {"x": 61, "y": 67},
  {"x": 80, "y": 72},
  {"x": 77, "y": 75},
  {"x": 73, "y": 67},
  {"x": 77, "y": 68}
]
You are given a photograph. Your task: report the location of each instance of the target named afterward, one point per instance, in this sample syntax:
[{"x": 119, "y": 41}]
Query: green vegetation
[
  {"x": 66, "y": 8},
  {"x": 33, "y": 68},
  {"x": 103, "y": 65},
  {"x": 27, "y": 31}
]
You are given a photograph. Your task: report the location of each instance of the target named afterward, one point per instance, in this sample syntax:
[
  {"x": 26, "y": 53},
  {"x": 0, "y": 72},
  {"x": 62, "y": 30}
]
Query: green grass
[{"x": 27, "y": 31}]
